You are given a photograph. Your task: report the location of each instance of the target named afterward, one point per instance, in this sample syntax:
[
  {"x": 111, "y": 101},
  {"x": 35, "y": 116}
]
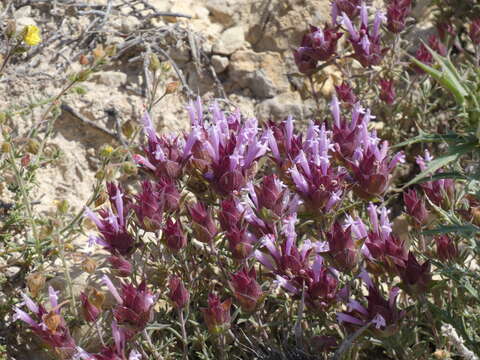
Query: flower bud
[
  {"x": 154, "y": 64},
  {"x": 217, "y": 314},
  {"x": 178, "y": 295},
  {"x": 202, "y": 223},
  {"x": 102, "y": 197},
  {"x": 387, "y": 91},
  {"x": 246, "y": 289},
  {"x": 62, "y": 206},
  {"x": 446, "y": 248},
  {"x": 128, "y": 129},
  {"x": 35, "y": 283},
  {"x": 98, "y": 52},
  {"x": 6, "y": 147},
  {"x": 25, "y": 161},
  {"x": 173, "y": 235},
  {"x": 33, "y": 146},
  {"x": 10, "y": 29},
  {"x": 129, "y": 168}
]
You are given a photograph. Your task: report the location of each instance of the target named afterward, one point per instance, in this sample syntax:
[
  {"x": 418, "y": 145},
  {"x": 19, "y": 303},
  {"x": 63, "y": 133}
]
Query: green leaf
[
  {"x": 467, "y": 229},
  {"x": 444, "y": 175},
  {"x": 424, "y": 137},
  {"x": 454, "y": 154},
  {"x": 448, "y": 77}
]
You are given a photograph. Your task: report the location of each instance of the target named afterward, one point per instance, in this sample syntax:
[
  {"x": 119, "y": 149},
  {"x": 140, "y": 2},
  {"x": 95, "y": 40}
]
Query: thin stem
[
  {"x": 26, "y": 202},
  {"x": 184, "y": 334}
]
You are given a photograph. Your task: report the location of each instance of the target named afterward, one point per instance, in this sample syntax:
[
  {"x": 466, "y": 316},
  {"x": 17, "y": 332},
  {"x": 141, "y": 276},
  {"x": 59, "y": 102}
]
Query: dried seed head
[
  {"x": 98, "y": 52},
  {"x": 96, "y": 297},
  {"x": 102, "y": 197},
  {"x": 35, "y": 283},
  {"x": 10, "y": 29},
  {"x": 33, "y": 146},
  {"x": 6, "y": 147},
  {"x": 128, "y": 129},
  {"x": 89, "y": 265},
  {"x": 83, "y": 60},
  {"x": 52, "y": 320},
  {"x": 129, "y": 168},
  {"x": 171, "y": 87}
]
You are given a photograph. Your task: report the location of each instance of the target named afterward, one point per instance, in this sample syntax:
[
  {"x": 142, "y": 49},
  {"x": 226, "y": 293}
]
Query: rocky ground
[{"x": 235, "y": 49}]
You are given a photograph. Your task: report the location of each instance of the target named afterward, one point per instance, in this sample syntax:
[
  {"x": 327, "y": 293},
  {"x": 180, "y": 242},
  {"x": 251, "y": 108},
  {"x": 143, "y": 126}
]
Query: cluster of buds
[
  {"x": 415, "y": 206},
  {"x": 387, "y": 91},
  {"x": 397, "y": 12},
  {"x": 415, "y": 277},
  {"x": 217, "y": 314},
  {"x": 316, "y": 180},
  {"x": 440, "y": 192},
  {"x": 294, "y": 270},
  {"x": 381, "y": 246},
  {"x": 317, "y": 45},
  {"x": 246, "y": 289},
  {"x": 362, "y": 152},
  {"x": 345, "y": 93},
  {"x": 165, "y": 156},
  {"x": 179, "y": 295},
  {"x": 203, "y": 225},
  {"x": 49, "y": 325},
  {"x": 173, "y": 235},
  {"x": 382, "y": 314},
  {"x": 366, "y": 41},
  {"x": 112, "y": 225},
  {"x": 341, "y": 251},
  {"x": 154, "y": 199}
]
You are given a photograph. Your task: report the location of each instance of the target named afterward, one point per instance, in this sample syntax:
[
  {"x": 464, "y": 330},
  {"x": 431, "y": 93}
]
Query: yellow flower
[{"x": 31, "y": 35}]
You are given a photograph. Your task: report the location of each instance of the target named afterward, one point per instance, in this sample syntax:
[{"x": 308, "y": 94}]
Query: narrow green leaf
[
  {"x": 467, "y": 229},
  {"x": 455, "y": 153}
]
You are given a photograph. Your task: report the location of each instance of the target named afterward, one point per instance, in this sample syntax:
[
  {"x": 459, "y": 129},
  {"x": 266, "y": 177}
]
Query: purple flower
[
  {"x": 380, "y": 244},
  {"x": 366, "y": 41},
  {"x": 318, "y": 45},
  {"x": 230, "y": 214},
  {"x": 383, "y": 315},
  {"x": 112, "y": 225},
  {"x": 48, "y": 325},
  {"x": 134, "y": 305}
]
